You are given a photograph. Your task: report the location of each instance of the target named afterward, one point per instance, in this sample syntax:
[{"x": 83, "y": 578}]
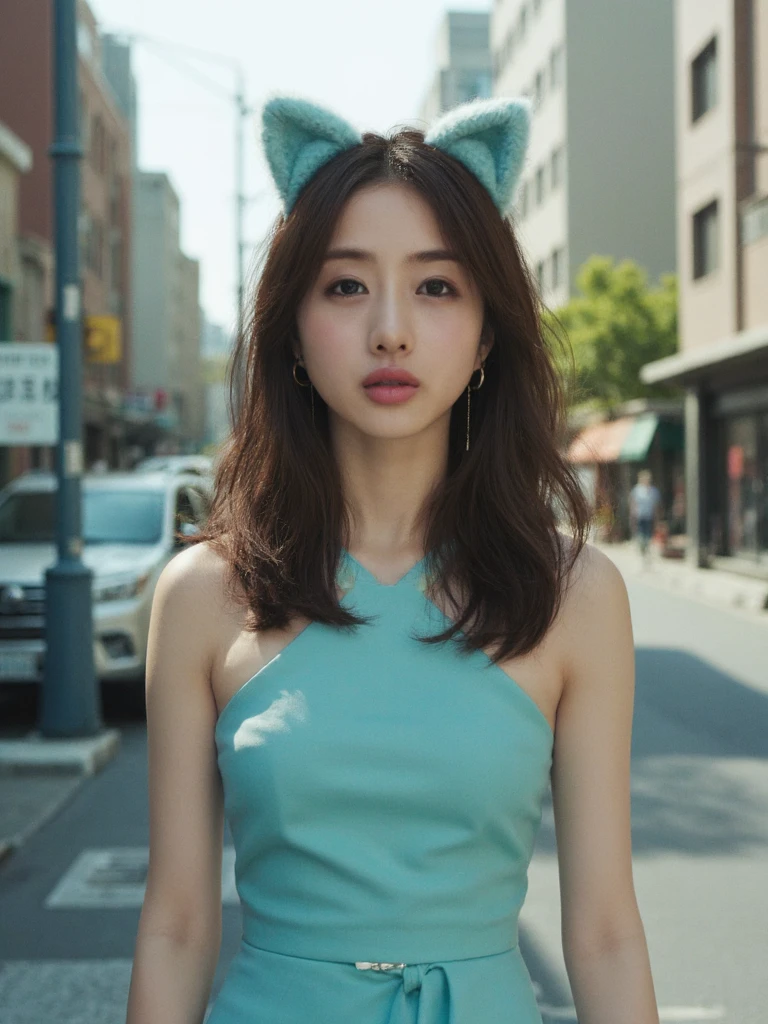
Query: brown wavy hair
[{"x": 490, "y": 527}]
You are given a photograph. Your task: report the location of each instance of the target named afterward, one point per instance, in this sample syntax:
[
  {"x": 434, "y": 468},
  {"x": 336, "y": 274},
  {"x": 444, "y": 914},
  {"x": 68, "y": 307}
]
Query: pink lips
[{"x": 390, "y": 385}]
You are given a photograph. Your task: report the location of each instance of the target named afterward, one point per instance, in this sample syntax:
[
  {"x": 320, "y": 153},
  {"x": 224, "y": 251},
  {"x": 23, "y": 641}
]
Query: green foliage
[{"x": 616, "y": 325}]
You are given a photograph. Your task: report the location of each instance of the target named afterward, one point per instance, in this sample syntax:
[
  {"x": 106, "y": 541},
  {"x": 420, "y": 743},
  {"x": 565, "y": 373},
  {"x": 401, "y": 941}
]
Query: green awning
[
  {"x": 671, "y": 435},
  {"x": 639, "y": 438}
]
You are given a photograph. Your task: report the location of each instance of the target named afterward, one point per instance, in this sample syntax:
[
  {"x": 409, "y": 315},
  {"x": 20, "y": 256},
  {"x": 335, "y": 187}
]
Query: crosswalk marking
[
  {"x": 115, "y": 878},
  {"x": 667, "y": 1014}
]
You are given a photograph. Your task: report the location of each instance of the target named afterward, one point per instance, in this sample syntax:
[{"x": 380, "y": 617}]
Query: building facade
[
  {"x": 721, "y": 65},
  {"x": 190, "y": 369},
  {"x": 15, "y": 160},
  {"x": 166, "y": 364},
  {"x": 105, "y": 222},
  {"x": 463, "y": 61},
  {"x": 599, "y": 178}
]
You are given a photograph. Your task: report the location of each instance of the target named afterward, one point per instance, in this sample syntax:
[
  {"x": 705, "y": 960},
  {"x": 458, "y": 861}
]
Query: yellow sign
[{"x": 103, "y": 339}]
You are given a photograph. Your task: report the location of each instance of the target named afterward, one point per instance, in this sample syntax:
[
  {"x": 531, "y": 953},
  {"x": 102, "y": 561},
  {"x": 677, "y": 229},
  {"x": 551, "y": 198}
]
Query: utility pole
[
  {"x": 69, "y": 700},
  {"x": 243, "y": 110}
]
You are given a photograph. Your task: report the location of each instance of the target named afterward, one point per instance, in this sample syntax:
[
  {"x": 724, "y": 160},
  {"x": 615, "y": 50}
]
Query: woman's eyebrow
[{"x": 425, "y": 256}]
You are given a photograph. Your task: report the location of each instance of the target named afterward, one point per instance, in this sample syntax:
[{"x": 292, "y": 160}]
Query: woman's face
[{"x": 390, "y": 295}]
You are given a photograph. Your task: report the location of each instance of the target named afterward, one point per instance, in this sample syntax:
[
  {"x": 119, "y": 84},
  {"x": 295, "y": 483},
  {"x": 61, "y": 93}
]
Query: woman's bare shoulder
[
  {"x": 594, "y": 583},
  {"x": 595, "y": 601},
  {"x": 195, "y": 587}
]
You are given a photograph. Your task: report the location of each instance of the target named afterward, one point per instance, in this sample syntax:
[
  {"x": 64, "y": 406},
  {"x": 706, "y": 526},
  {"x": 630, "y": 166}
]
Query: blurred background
[{"x": 643, "y": 210}]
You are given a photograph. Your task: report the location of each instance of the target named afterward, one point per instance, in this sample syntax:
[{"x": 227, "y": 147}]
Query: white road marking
[
  {"x": 667, "y": 1014},
  {"x": 102, "y": 879}
]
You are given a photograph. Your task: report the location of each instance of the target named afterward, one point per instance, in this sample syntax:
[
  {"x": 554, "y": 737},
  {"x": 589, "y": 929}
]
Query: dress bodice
[{"x": 383, "y": 795}]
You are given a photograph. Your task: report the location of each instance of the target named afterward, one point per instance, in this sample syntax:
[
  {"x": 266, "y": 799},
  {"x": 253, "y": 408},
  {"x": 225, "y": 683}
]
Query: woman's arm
[
  {"x": 179, "y": 931},
  {"x": 604, "y": 943}
]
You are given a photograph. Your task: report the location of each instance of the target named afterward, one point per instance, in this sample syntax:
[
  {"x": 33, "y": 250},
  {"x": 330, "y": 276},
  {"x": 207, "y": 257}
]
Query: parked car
[
  {"x": 201, "y": 465},
  {"x": 131, "y": 524}
]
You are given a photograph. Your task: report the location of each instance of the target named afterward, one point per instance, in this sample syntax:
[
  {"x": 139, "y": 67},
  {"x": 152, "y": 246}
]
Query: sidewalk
[
  {"x": 39, "y": 776},
  {"x": 713, "y": 586}
]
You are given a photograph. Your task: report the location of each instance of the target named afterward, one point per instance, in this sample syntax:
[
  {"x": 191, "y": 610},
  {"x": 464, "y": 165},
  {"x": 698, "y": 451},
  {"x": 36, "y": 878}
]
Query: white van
[{"x": 131, "y": 523}]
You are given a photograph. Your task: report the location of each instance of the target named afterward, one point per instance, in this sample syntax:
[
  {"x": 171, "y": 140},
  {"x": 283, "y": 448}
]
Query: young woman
[{"x": 392, "y": 634}]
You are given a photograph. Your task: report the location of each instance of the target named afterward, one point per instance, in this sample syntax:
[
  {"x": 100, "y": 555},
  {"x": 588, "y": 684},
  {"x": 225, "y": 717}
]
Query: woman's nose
[{"x": 391, "y": 327}]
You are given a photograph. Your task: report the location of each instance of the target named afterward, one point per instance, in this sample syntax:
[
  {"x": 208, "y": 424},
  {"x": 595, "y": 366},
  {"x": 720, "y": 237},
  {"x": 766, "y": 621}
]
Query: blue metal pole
[{"x": 69, "y": 704}]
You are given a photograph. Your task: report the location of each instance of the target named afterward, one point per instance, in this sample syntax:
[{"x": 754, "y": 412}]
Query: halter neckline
[{"x": 374, "y": 579}]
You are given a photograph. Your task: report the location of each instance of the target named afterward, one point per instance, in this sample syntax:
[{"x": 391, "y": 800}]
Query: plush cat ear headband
[{"x": 489, "y": 137}]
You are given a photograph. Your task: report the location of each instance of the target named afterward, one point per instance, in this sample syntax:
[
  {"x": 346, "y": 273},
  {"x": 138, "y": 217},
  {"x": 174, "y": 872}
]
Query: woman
[{"x": 383, "y": 647}]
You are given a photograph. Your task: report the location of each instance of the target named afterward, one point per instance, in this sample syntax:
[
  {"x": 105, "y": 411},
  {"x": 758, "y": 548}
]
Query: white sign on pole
[{"x": 29, "y": 399}]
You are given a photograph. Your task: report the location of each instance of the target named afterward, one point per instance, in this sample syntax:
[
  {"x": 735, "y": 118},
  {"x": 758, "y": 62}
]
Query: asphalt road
[{"x": 69, "y": 910}]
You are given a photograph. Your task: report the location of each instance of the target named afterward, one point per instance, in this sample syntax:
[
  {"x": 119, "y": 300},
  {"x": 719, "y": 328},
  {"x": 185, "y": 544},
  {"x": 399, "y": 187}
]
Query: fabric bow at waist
[{"x": 484, "y": 989}]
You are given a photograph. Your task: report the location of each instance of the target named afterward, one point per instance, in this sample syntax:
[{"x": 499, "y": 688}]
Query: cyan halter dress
[{"x": 384, "y": 798}]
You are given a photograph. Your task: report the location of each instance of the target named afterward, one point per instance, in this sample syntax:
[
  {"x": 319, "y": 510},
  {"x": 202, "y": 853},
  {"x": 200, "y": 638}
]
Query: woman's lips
[{"x": 390, "y": 394}]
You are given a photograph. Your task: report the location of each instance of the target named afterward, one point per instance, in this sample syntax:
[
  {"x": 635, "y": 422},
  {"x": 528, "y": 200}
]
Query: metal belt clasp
[{"x": 363, "y": 965}]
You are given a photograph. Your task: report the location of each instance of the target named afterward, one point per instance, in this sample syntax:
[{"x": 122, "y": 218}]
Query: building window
[
  {"x": 744, "y": 485},
  {"x": 538, "y": 89},
  {"x": 754, "y": 222},
  {"x": 556, "y": 167},
  {"x": 540, "y": 185},
  {"x": 556, "y": 67},
  {"x": 5, "y": 311},
  {"x": 540, "y": 274},
  {"x": 558, "y": 267},
  {"x": 704, "y": 80},
  {"x": 522, "y": 202},
  {"x": 705, "y": 240}
]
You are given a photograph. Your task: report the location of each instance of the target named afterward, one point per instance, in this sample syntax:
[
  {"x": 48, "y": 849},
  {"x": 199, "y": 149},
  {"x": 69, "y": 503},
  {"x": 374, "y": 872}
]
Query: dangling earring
[
  {"x": 469, "y": 387},
  {"x": 306, "y": 384}
]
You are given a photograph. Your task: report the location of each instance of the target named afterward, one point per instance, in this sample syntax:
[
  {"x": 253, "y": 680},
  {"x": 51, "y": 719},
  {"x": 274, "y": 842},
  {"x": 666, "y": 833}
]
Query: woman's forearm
[
  {"x": 171, "y": 980},
  {"x": 614, "y": 985}
]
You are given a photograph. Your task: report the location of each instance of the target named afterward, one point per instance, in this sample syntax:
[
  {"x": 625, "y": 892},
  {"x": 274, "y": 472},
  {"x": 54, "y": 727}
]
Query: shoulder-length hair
[{"x": 491, "y": 526}]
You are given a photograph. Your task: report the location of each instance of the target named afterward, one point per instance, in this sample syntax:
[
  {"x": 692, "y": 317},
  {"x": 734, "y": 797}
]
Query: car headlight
[{"x": 119, "y": 588}]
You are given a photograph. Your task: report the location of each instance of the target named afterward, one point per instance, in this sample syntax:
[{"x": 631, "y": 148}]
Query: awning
[
  {"x": 639, "y": 438},
  {"x": 692, "y": 364},
  {"x": 600, "y": 442}
]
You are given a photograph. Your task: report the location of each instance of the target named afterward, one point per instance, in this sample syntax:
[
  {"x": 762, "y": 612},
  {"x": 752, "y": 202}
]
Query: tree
[{"x": 614, "y": 326}]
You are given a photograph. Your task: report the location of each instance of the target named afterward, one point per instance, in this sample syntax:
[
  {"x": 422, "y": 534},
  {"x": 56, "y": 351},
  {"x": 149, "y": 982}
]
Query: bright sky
[{"x": 369, "y": 60}]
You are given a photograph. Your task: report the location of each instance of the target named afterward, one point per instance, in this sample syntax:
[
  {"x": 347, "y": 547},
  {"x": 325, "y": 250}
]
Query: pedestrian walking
[
  {"x": 644, "y": 505},
  {"x": 382, "y": 649}
]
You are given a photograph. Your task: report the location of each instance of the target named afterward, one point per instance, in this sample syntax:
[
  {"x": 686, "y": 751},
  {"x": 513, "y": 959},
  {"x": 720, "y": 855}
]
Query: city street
[{"x": 700, "y": 837}]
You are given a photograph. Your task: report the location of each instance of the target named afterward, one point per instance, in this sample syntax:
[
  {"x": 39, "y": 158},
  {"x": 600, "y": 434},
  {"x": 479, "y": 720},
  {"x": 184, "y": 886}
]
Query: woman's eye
[
  {"x": 438, "y": 288},
  {"x": 345, "y": 281},
  {"x": 440, "y": 284}
]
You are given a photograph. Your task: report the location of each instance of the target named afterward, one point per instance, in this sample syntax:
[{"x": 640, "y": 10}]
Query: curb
[
  {"x": 70, "y": 761},
  {"x": 36, "y": 753},
  {"x": 714, "y": 587}
]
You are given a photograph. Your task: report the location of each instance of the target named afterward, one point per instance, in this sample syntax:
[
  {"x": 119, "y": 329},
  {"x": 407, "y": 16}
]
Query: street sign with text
[{"x": 29, "y": 382}]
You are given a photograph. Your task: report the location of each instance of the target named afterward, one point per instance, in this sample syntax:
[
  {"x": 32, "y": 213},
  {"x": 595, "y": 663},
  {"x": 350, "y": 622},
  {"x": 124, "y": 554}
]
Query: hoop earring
[
  {"x": 306, "y": 384},
  {"x": 470, "y": 388}
]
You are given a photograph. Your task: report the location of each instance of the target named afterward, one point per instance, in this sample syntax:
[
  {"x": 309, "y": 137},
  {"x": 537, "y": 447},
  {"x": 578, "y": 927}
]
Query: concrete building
[
  {"x": 118, "y": 70},
  {"x": 599, "y": 177},
  {"x": 463, "y": 61},
  {"x": 166, "y": 368},
  {"x": 190, "y": 364},
  {"x": 15, "y": 160},
  {"x": 27, "y": 109},
  {"x": 217, "y": 342},
  {"x": 721, "y": 65}
]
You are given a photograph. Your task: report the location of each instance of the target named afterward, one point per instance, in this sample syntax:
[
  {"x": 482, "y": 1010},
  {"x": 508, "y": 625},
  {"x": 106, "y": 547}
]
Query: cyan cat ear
[
  {"x": 298, "y": 138},
  {"x": 490, "y": 137}
]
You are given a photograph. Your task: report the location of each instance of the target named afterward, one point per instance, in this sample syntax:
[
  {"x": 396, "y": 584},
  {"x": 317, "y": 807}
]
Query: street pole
[
  {"x": 240, "y": 201},
  {"x": 243, "y": 110},
  {"x": 69, "y": 703}
]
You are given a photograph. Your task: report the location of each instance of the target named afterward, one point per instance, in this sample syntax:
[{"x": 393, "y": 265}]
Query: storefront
[
  {"x": 609, "y": 453},
  {"x": 727, "y": 453}
]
